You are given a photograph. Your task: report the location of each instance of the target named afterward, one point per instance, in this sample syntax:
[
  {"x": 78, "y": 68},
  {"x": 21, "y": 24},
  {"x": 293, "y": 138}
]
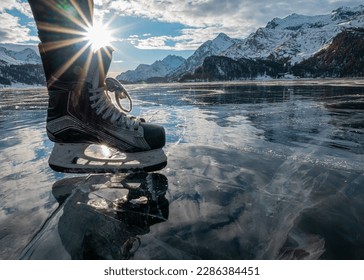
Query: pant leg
[
  {"x": 65, "y": 14},
  {"x": 60, "y": 25}
]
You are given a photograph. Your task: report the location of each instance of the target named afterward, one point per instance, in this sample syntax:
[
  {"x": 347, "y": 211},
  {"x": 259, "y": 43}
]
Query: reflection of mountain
[{"x": 102, "y": 216}]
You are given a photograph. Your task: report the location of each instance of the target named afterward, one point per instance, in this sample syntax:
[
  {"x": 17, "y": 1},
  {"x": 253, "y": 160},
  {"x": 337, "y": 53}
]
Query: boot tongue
[{"x": 99, "y": 66}]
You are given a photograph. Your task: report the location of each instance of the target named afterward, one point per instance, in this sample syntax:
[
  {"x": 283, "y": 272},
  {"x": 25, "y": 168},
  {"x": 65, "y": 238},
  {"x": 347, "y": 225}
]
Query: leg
[
  {"x": 50, "y": 15},
  {"x": 80, "y": 111},
  {"x": 61, "y": 28}
]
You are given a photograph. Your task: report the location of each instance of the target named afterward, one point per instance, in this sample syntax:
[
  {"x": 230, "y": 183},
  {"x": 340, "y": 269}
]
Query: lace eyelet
[{"x": 103, "y": 106}]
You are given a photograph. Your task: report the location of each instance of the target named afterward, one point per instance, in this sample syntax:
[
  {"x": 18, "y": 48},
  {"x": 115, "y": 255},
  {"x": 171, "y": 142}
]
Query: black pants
[
  {"x": 74, "y": 16},
  {"x": 61, "y": 28}
]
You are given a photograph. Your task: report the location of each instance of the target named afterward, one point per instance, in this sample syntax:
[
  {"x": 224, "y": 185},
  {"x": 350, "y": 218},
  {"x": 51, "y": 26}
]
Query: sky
[{"x": 148, "y": 30}]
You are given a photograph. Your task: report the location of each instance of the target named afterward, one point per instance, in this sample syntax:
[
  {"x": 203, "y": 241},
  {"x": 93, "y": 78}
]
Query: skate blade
[{"x": 92, "y": 158}]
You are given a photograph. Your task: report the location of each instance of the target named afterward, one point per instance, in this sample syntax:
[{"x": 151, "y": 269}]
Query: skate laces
[{"x": 106, "y": 108}]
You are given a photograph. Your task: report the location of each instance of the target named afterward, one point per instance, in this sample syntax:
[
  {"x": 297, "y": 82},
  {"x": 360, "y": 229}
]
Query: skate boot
[{"x": 91, "y": 134}]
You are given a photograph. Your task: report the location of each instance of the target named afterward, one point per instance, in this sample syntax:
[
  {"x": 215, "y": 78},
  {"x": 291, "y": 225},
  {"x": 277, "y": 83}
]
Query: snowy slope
[
  {"x": 296, "y": 37},
  {"x": 291, "y": 39},
  {"x": 26, "y": 56},
  {"x": 160, "y": 68},
  {"x": 211, "y": 47}
]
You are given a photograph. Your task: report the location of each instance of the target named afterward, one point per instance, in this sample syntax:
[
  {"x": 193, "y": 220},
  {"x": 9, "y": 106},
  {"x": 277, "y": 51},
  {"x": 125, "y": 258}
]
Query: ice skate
[{"x": 91, "y": 134}]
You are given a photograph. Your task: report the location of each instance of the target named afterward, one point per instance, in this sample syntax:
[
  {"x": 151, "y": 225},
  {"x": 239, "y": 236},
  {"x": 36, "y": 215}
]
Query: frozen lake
[{"x": 266, "y": 170}]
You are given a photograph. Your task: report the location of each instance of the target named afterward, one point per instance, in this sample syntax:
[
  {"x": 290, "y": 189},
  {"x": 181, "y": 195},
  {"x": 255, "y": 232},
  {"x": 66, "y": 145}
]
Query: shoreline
[{"x": 269, "y": 82}]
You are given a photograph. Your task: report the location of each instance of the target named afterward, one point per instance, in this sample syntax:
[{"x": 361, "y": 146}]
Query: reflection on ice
[
  {"x": 101, "y": 217},
  {"x": 236, "y": 209},
  {"x": 25, "y": 201},
  {"x": 268, "y": 170}
]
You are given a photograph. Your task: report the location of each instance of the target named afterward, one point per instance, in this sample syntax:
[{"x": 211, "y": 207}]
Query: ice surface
[{"x": 263, "y": 170}]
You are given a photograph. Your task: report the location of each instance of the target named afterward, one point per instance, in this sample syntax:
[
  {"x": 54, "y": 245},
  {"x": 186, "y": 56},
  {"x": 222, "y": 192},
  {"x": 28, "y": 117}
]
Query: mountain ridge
[
  {"x": 296, "y": 37},
  {"x": 211, "y": 47},
  {"x": 25, "y": 56},
  {"x": 158, "y": 69},
  {"x": 343, "y": 58},
  {"x": 22, "y": 66},
  {"x": 288, "y": 41}
]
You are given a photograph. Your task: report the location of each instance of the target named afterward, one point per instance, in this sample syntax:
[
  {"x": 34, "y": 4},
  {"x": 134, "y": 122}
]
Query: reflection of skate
[
  {"x": 104, "y": 215},
  {"x": 101, "y": 217}
]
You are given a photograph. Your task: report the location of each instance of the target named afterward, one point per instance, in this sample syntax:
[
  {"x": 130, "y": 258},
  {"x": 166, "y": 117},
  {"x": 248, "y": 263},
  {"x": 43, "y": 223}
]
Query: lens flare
[
  {"x": 99, "y": 36},
  {"x": 80, "y": 35}
]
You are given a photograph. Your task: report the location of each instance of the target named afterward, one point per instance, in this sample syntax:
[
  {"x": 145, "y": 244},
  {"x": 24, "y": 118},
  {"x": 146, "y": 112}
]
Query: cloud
[
  {"x": 201, "y": 20},
  {"x": 159, "y": 42},
  {"x": 12, "y": 31},
  {"x": 22, "y": 7},
  {"x": 204, "y": 19},
  {"x": 190, "y": 39}
]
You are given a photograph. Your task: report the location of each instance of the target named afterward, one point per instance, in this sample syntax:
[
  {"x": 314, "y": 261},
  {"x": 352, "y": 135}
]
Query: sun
[{"x": 99, "y": 36}]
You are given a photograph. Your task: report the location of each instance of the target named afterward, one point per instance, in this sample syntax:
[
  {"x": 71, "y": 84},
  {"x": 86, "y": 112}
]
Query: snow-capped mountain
[
  {"x": 343, "y": 58},
  {"x": 284, "y": 41},
  {"x": 26, "y": 56},
  {"x": 211, "y": 47},
  {"x": 20, "y": 66},
  {"x": 296, "y": 37},
  {"x": 160, "y": 68}
]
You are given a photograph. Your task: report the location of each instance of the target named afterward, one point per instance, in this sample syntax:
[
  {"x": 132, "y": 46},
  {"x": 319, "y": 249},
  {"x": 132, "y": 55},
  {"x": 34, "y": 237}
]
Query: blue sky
[{"x": 147, "y": 30}]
